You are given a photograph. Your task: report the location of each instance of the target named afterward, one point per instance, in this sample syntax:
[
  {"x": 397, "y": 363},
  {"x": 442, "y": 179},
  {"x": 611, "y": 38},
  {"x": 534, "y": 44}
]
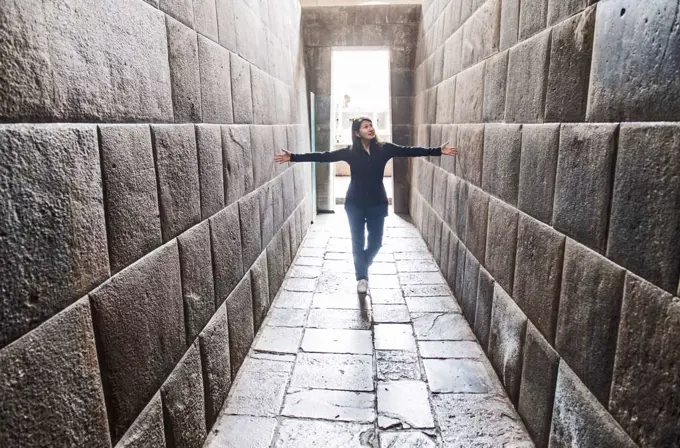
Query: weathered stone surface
[
  {"x": 138, "y": 317},
  {"x": 469, "y": 95},
  {"x": 588, "y": 319},
  {"x": 502, "y": 148},
  {"x": 635, "y": 62},
  {"x": 241, "y": 326},
  {"x": 583, "y": 182},
  {"x": 288, "y": 187},
  {"x": 131, "y": 196},
  {"x": 259, "y": 391},
  {"x": 469, "y": 160},
  {"x": 215, "y": 72},
  {"x": 509, "y": 23},
  {"x": 476, "y": 214},
  {"x": 562, "y": 9},
  {"x": 506, "y": 341},
  {"x": 330, "y": 405},
  {"x": 355, "y": 319},
  {"x": 276, "y": 273},
  {"x": 249, "y": 218},
  {"x": 263, "y": 93},
  {"x": 538, "y": 273},
  {"x": 60, "y": 75},
  {"x": 482, "y": 320},
  {"x": 426, "y": 290},
  {"x": 540, "y": 143},
  {"x": 241, "y": 90},
  {"x": 441, "y": 327},
  {"x": 647, "y": 366},
  {"x": 205, "y": 18},
  {"x": 457, "y": 376},
  {"x": 537, "y": 391},
  {"x": 394, "y": 337},
  {"x": 54, "y": 238},
  {"x": 277, "y": 198},
  {"x": 214, "y": 347},
  {"x": 578, "y": 418},
  {"x": 450, "y": 349},
  {"x": 262, "y": 146},
  {"x": 198, "y": 288},
  {"x": 495, "y": 79},
  {"x": 184, "y": 75},
  {"x": 452, "y": 55},
  {"x": 445, "y": 105},
  {"x": 181, "y": 10},
  {"x": 569, "y": 74},
  {"x": 391, "y": 314},
  {"x": 414, "y": 439},
  {"x": 420, "y": 278},
  {"x": 50, "y": 385},
  {"x": 394, "y": 365},
  {"x": 451, "y": 277},
  {"x": 533, "y": 16},
  {"x": 210, "y": 169},
  {"x": 148, "y": 430},
  {"x": 460, "y": 272},
  {"x": 177, "y": 175},
  {"x": 333, "y": 371},
  {"x": 278, "y": 340},
  {"x": 501, "y": 242},
  {"x": 469, "y": 287},
  {"x": 238, "y": 162},
  {"x": 184, "y": 403},
  {"x": 481, "y": 33},
  {"x": 295, "y": 432},
  {"x": 338, "y": 341},
  {"x": 234, "y": 431},
  {"x": 527, "y": 76},
  {"x": 479, "y": 420},
  {"x": 444, "y": 250},
  {"x": 404, "y": 404},
  {"x": 260, "y": 286},
  {"x": 645, "y": 224},
  {"x": 225, "y": 236}
]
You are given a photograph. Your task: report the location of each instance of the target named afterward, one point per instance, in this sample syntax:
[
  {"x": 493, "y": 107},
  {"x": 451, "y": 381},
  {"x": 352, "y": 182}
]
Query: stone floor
[{"x": 399, "y": 367}]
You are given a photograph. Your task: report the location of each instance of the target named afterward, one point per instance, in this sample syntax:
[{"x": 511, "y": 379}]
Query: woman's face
[{"x": 366, "y": 130}]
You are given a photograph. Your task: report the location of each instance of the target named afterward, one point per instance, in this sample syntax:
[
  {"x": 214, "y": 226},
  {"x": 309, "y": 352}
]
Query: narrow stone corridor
[{"x": 399, "y": 367}]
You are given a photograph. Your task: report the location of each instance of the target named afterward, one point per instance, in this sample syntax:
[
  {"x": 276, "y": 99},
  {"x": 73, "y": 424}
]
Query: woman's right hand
[{"x": 283, "y": 157}]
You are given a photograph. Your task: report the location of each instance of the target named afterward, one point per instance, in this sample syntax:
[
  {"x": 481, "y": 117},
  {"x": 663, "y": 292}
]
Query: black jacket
[{"x": 366, "y": 185}]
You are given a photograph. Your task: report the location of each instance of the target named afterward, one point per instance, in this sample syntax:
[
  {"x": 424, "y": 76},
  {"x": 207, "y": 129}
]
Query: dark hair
[{"x": 356, "y": 141}]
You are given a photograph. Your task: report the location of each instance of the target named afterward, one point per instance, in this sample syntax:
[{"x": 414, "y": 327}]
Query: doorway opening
[{"x": 360, "y": 86}]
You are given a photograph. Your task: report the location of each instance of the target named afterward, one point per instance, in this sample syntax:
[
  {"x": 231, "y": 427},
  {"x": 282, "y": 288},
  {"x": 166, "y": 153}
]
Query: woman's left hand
[{"x": 448, "y": 150}]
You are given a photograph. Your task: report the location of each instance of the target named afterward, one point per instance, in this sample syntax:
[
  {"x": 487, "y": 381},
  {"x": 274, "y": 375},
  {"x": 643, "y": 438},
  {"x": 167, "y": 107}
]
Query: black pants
[{"x": 361, "y": 218}]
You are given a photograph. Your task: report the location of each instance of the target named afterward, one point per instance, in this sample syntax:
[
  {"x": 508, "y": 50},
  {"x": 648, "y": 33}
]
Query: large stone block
[
  {"x": 214, "y": 347},
  {"x": 131, "y": 197},
  {"x": 210, "y": 169},
  {"x": 277, "y": 198},
  {"x": 240, "y": 319},
  {"x": 53, "y": 246},
  {"x": 501, "y": 242},
  {"x": 435, "y": 139},
  {"x": 279, "y": 140},
  {"x": 495, "y": 80},
  {"x": 285, "y": 240},
  {"x": 215, "y": 71},
  {"x": 579, "y": 419},
  {"x": 260, "y": 288},
  {"x": 588, "y": 318},
  {"x": 537, "y": 391},
  {"x": 181, "y": 10},
  {"x": 481, "y": 33},
  {"x": 636, "y": 60},
  {"x": 262, "y": 149},
  {"x": 559, "y": 10},
  {"x": 275, "y": 271},
  {"x": 57, "y": 74},
  {"x": 482, "y": 326},
  {"x": 452, "y": 192},
  {"x": 583, "y": 182},
  {"x": 444, "y": 250},
  {"x": 177, "y": 176},
  {"x": 249, "y": 217},
  {"x": 449, "y": 136},
  {"x": 148, "y": 430},
  {"x": 139, "y": 322},
  {"x": 533, "y": 16},
  {"x": 452, "y": 263},
  {"x": 570, "y": 52},
  {"x": 462, "y": 209},
  {"x": 453, "y": 50},
  {"x": 469, "y": 95},
  {"x": 476, "y": 218},
  {"x": 506, "y": 341},
  {"x": 205, "y": 18},
  {"x": 198, "y": 286},
  {"x": 502, "y": 150},
  {"x": 266, "y": 200},
  {"x": 538, "y": 273},
  {"x": 250, "y": 34},
  {"x": 238, "y": 163},
  {"x": 439, "y": 191},
  {"x": 50, "y": 385},
  {"x": 241, "y": 90},
  {"x": 460, "y": 272},
  {"x": 263, "y": 96},
  {"x": 470, "y": 284},
  {"x": 538, "y": 163},
  {"x": 401, "y": 56},
  {"x": 469, "y": 158},
  {"x": 401, "y": 82},
  {"x": 184, "y": 75},
  {"x": 509, "y": 23},
  {"x": 446, "y": 101},
  {"x": 225, "y": 235},
  {"x": 184, "y": 402},
  {"x": 527, "y": 77},
  {"x": 227, "y": 25},
  {"x": 644, "y": 227},
  {"x": 645, "y": 385}
]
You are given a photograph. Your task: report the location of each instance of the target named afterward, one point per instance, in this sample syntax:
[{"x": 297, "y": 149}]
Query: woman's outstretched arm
[
  {"x": 327, "y": 157},
  {"x": 417, "y": 151}
]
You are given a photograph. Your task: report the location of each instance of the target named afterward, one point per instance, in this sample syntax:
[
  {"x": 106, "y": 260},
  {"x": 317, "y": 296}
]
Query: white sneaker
[{"x": 362, "y": 286}]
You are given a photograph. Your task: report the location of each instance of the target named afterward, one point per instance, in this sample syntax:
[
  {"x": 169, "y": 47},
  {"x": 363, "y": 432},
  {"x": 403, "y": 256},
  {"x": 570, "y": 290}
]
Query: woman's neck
[{"x": 366, "y": 144}]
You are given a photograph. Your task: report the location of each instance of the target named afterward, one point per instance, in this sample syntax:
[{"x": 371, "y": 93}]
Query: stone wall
[
  {"x": 144, "y": 225},
  {"x": 558, "y": 224},
  {"x": 392, "y": 26}
]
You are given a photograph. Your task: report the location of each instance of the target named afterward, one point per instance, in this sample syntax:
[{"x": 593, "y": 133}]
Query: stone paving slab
[{"x": 397, "y": 367}]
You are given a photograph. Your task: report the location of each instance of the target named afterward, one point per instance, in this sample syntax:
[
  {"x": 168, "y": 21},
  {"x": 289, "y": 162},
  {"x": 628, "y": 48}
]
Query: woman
[{"x": 366, "y": 201}]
